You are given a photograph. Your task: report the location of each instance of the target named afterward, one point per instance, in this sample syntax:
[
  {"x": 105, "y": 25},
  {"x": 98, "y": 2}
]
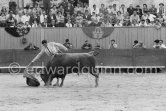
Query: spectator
[
  {"x": 162, "y": 45},
  {"x": 123, "y": 9},
  {"x": 120, "y": 17},
  {"x": 142, "y": 23},
  {"x": 46, "y": 24},
  {"x": 67, "y": 44},
  {"x": 69, "y": 10},
  {"x": 86, "y": 8},
  {"x": 54, "y": 10},
  {"x": 27, "y": 25},
  {"x": 157, "y": 24},
  {"x": 153, "y": 10},
  {"x": 35, "y": 24},
  {"x": 69, "y": 24},
  {"x": 18, "y": 17},
  {"x": 46, "y": 4},
  {"x": 110, "y": 10},
  {"x": 115, "y": 10},
  {"x": 2, "y": 20},
  {"x": 151, "y": 17},
  {"x": 134, "y": 17},
  {"x": 126, "y": 20},
  {"x": 161, "y": 9},
  {"x": 130, "y": 10},
  {"x": 61, "y": 9},
  {"x": 135, "y": 43},
  {"x": 78, "y": 8},
  {"x": 113, "y": 44},
  {"x": 61, "y": 23},
  {"x": 87, "y": 16},
  {"x": 79, "y": 18},
  {"x": 103, "y": 10},
  {"x": 12, "y": 6},
  {"x": 86, "y": 46},
  {"x": 97, "y": 46},
  {"x": 10, "y": 18},
  {"x": 148, "y": 23},
  {"x": 139, "y": 11},
  {"x": 145, "y": 8},
  {"x": 59, "y": 17},
  {"x": 134, "y": 23},
  {"x": 118, "y": 24},
  {"x": 140, "y": 45},
  {"x": 145, "y": 16},
  {"x": 43, "y": 16},
  {"x": 31, "y": 47},
  {"x": 156, "y": 44},
  {"x": 114, "y": 19},
  {"x": 4, "y": 10},
  {"x": 106, "y": 23},
  {"x": 94, "y": 9}
]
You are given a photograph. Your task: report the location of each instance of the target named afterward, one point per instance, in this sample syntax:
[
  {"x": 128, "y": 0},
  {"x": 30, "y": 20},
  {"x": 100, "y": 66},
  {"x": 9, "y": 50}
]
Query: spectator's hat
[
  {"x": 138, "y": 6},
  {"x": 161, "y": 4},
  {"x": 156, "y": 41}
]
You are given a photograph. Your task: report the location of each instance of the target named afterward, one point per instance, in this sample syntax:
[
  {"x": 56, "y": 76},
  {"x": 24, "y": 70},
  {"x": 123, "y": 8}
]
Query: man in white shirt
[
  {"x": 25, "y": 18},
  {"x": 162, "y": 45},
  {"x": 50, "y": 49},
  {"x": 95, "y": 9}
]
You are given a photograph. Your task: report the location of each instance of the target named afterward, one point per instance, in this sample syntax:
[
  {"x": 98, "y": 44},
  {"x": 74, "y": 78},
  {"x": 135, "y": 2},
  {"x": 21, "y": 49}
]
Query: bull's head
[{"x": 44, "y": 77}]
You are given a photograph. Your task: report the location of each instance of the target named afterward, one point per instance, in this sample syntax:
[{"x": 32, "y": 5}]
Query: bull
[{"x": 67, "y": 63}]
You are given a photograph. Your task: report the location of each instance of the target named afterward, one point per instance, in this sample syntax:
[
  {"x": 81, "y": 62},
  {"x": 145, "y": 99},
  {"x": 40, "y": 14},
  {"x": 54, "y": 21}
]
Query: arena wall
[{"x": 123, "y": 36}]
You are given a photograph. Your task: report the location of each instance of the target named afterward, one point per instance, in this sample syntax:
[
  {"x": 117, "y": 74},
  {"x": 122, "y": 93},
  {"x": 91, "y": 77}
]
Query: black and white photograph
[{"x": 82, "y": 55}]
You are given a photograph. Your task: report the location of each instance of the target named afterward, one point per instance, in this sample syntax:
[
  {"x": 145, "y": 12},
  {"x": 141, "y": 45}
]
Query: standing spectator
[
  {"x": 130, "y": 10},
  {"x": 156, "y": 44},
  {"x": 51, "y": 17},
  {"x": 54, "y": 10},
  {"x": 86, "y": 8},
  {"x": 115, "y": 10},
  {"x": 145, "y": 8},
  {"x": 113, "y": 44},
  {"x": 153, "y": 10},
  {"x": 135, "y": 43},
  {"x": 95, "y": 9},
  {"x": 86, "y": 46},
  {"x": 43, "y": 16},
  {"x": 161, "y": 9},
  {"x": 12, "y": 6},
  {"x": 67, "y": 44},
  {"x": 134, "y": 17},
  {"x": 46, "y": 4},
  {"x": 162, "y": 45},
  {"x": 126, "y": 20},
  {"x": 69, "y": 10},
  {"x": 139, "y": 11},
  {"x": 123, "y": 9},
  {"x": 61, "y": 9},
  {"x": 64, "y": 4}
]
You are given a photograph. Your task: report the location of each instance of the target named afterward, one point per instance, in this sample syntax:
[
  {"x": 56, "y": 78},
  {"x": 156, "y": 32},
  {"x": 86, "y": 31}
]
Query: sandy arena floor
[{"x": 115, "y": 93}]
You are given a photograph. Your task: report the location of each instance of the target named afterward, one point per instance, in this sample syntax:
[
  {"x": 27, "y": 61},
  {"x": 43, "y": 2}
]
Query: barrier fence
[
  {"x": 115, "y": 57},
  {"x": 124, "y": 37}
]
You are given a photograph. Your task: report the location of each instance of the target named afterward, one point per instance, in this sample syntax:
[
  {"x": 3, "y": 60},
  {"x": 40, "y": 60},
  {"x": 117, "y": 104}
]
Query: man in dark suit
[
  {"x": 87, "y": 16},
  {"x": 130, "y": 10},
  {"x": 46, "y": 4},
  {"x": 139, "y": 11}
]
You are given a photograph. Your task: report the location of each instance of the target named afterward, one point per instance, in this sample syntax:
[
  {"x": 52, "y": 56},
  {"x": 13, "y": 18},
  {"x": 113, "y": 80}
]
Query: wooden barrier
[
  {"x": 123, "y": 36},
  {"x": 118, "y": 58}
]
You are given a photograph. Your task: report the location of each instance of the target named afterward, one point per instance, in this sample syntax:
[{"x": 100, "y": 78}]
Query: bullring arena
[{"x": 123, "y": 39}]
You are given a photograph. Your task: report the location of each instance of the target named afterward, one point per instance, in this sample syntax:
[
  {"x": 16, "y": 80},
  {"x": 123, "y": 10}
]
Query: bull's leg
[
  {"x": 63, "y": 78},
  {"x": 96, "y": 74},
  {"x": 57, "y": 82},
  {"x": 49, "y": 81}
]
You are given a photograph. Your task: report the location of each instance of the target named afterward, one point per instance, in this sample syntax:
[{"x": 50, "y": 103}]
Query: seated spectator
[
  {"x": 86, "y": 8},
  {"x": 94, "y": 23},
  {"x": 43, "y": 16},
  {"x": 118, "y": 24},
  {"x": 140, "y": 45},
  {"x": 78, "y": 8},
  {"x": 61, "y": 23},
  {"x": 87, "y": 16},
  {"x": 69, "y": 9},
  {"x": 110, "y": 10},
  {"x": 134, "y": 17},
  {"x": 103, "y": 10},
  {"x": 114, "y": 19},
  {"x": 27, "y": 25},
  {"x": 120, "y": 17},
  {"x": 134, "y": 23},
  {"x": 161, "y": 19},
  {"x": 31, "y": 46},
  {"x": 123, "y": 9},
  {"x": 45, "y": 23},
  {"x": 148, "y": 23},
  {"x": 4, "y": 10},
  {"x": 145, "y": 16},
  {"x": 53, "y": 24},
  {"x": 86, "y": 45},
  {"x": 95, "y": 9},
  {"x": 98, "y": 46},
  {"x": 69, "y": 24},
  {"x": 157, "y": 24},
  {"x": 59, "y": 17},
  {"x": 126, "y": 20},
  {"x": 115, "y": 10},
  {"x": 113, "y": 45},
  {"x": 25, "y": 18},
  {"x": 106, "y": 23},
  {"x": 156, "y": 44},
  {"x": 142, "y": 23},
  {"x": 135, "y": 43},
  {"x": 61, "y": 9},
  {"x": 67, "y": 44},
  {"x": 79, "y": 18},
  {"x": 35, "y": 24},
  {"x": 151, "y": 17},
  {"x": 162, "y": 45},
  {"x": 54, "y": 10}
]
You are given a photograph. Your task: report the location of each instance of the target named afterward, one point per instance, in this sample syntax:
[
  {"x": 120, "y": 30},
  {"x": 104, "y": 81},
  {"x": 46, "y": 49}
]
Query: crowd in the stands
[{"x": 69, "y": 14}]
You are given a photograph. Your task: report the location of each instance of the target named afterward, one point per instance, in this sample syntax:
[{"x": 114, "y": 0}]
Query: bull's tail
[{"x": 93, "y": 53}]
